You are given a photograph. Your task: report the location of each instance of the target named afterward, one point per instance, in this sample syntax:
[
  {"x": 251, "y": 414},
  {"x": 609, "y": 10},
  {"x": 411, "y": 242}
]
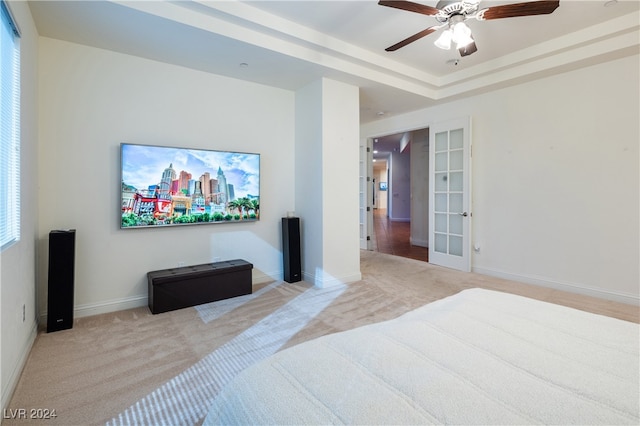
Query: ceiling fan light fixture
[
  {"x": 462, "y": 35},
  {"x": 466, "y": 41},
  {"x": 453, "y": 13},
  {"x": 444, "y": 41}
]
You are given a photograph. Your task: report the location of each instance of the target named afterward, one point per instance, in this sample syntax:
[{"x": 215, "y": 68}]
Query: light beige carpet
[{"x": 132, "y": 367}]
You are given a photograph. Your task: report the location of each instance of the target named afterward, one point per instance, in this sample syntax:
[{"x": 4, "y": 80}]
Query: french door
[
  {"x": 366, "y": 189},
  {"x": 450, "y": 194}
]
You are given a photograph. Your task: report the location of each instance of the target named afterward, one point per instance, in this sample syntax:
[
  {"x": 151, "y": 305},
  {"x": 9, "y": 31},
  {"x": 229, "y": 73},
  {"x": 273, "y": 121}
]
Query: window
[{"x": 9, "y": 130}]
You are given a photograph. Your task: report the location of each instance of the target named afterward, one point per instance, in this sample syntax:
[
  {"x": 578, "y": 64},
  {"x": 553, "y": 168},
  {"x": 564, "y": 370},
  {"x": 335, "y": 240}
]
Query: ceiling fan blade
[
  {"x": 411, "y": 39},
  {"x": 410, "y": 6},
  {"x": 468, "y": 49},
  {"x": 542, "y": 7}
]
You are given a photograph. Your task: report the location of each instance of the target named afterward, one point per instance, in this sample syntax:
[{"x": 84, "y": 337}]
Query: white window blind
[{"x": 9, "y": 130}]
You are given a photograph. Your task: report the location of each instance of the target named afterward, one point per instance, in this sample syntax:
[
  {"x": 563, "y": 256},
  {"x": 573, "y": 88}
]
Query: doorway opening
[
  {"x": 401, "y": 194},
  {"x": 394, "y": 238}
]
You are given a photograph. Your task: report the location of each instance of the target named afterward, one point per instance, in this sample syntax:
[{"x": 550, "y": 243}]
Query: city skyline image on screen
[{"x": 167, "y": 186}]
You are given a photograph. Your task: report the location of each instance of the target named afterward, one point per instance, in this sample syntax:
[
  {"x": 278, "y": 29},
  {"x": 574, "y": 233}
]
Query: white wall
[
  {"x": 420, "y": 188},
  {"x": 308, "y": 176},
  {"x": 91, "y": 100},
  {"x": 399, "y": 186},
  {"x": 327, "y": 161},
  {"x": 555, "y": 178},
  {"x": 17, "y": 282},
  {"x": 341, "y": 113}
]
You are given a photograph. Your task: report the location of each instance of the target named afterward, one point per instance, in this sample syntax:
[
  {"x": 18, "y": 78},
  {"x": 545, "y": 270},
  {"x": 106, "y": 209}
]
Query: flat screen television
[{"x": 168, "y": 186}]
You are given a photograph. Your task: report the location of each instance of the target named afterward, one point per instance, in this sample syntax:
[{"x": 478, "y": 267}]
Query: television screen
[{"x": 165, "y": 186}]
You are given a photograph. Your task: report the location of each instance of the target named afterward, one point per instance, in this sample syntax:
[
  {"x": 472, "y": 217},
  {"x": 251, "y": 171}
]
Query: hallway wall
[{"x": 420, "y": 187}]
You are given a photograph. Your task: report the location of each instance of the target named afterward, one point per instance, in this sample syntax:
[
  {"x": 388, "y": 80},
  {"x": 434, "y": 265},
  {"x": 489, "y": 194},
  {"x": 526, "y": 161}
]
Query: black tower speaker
[
  {"x": 291, "y": 249},
  {"x": 61, "y": 274}
]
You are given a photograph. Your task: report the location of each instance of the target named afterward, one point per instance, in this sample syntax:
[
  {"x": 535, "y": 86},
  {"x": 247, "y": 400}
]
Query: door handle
[{"x": 464, "y": 214}]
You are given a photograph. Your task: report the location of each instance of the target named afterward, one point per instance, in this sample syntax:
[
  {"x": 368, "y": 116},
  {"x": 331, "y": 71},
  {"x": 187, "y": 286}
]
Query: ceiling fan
[{"x": 453, "y": 14}]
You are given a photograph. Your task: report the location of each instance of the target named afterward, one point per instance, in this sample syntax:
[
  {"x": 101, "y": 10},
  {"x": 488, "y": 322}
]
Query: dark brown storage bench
[{"x": 178, "y": 288}]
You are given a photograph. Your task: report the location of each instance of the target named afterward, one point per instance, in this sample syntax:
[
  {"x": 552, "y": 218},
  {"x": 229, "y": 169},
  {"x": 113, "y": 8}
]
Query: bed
[{"x": 478, "y": 357}]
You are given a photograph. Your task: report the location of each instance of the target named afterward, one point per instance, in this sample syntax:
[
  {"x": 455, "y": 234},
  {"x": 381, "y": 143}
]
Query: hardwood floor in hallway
[{"x": 394, "y": 237}]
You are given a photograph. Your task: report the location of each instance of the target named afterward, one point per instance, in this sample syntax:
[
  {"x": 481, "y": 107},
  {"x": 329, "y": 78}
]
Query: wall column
[{"x": 326, "y": 181}]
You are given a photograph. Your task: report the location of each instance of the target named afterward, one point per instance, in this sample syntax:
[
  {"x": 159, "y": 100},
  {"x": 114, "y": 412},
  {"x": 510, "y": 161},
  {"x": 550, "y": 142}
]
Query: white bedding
[{"x": 478, "y": 357}]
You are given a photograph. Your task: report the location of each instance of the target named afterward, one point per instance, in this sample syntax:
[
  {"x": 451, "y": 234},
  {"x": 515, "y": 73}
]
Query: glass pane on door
[{"x": 449, "y": 186}]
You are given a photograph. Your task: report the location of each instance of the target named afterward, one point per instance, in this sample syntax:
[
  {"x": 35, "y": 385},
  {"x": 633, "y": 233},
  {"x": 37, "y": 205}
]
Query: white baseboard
[
  {"x": 419, "y": 242},
  {"x": 260, "y": 277},
  {"x": 328, "y": 281},
  {"x": 87, "y": 310},
  {"x": 400, "y": 219},
  {"x": 110, "y": 306},
  {"x": 14, "y": 377},
  {"x": 629, "y": 299}
]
